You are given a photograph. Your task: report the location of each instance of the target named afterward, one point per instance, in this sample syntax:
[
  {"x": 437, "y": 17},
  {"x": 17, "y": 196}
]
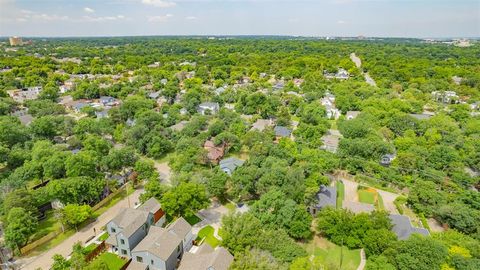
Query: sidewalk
[{"x": 44, "y": 261}]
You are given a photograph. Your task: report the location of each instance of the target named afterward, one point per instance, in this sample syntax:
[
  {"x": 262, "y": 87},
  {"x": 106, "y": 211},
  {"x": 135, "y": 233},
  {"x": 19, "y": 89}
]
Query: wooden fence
[
  {"x": 108, "y": 198},
  {"x": 94, "y": 253},
  {"x": 126, "y": 264},
  {"x": 28, "y": 248}
]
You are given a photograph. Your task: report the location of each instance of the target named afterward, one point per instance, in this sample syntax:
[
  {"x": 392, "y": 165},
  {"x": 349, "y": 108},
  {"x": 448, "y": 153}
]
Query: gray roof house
[
  {"x": 281, "y": 131},
  {"x": 160, "y": 249},
  {"x": 130, "y": 226},
  {"x": 207, "y": 258},
  {"x": 228, "y": 165},
  {"x": 326, "y": 196},
  {"x": 403, "y": 228},
  {"x": 211, "y": 107},
  {"x": 163, "y": 247}
]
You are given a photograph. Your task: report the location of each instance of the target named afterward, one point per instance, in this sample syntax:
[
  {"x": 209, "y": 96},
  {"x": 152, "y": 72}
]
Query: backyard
[
  {"x": 207, "y": 233},
  {"x": 367, "y": 195},
  {"x": 331, "y": 255}
]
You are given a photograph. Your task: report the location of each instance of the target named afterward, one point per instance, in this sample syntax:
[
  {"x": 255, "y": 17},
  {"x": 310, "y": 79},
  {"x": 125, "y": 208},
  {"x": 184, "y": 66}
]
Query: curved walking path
[
  {"x": 363, "y": 260},
  {"x": 44, "y": 261},
  {"x": 358, "y": 63}
]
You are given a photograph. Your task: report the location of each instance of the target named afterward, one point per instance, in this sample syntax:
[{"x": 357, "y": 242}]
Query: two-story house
[
  {"x": 130, "y": 226},
  {"x": 162, "y": 248}
]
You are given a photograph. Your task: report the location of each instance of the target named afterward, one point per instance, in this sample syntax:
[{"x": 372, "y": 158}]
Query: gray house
[
  {"x": 326, "y": 196},
  {"x": 207, "y": 258},
  {"x": 228, "y": 165},
  {"x": 159, "y": 250},
  {"x": 163, "y": 247},
  {"x": 208, "y": 108},
  {"x": 282, "y": 132},
  {"x": 403, "y": 228},
  {"x": 130, "y": 226}
]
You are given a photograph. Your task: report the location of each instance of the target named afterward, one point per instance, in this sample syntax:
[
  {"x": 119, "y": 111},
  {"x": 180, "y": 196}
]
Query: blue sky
[{"x": 384, "y": 18}]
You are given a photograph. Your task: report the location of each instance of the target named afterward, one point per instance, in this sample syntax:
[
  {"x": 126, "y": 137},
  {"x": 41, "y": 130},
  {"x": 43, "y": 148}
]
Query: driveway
[
  {"x": 165, "y": 172},
  {"x": 211, "y": 216},
  {"x": 351, "y": 193},
  {"x": 388, "y": 199},
  {"x": 44, "y": 261}
]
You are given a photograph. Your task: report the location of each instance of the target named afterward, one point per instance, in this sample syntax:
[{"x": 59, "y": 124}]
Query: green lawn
[
  {"x": 207, "y": 233},
  {"x": 112, "y": 260},
  {"x": 89, "y": 248},
  {"x": 365, "y": 196},
  {"x": 340, "y": 194},
  {"x": 46, "y": 226},
  {"x": 332, "y": 255},
  {"x": 379, "y": 204},
  {"x": 103, "y": 237}
]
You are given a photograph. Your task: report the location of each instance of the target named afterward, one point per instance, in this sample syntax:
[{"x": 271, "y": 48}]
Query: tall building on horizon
[{"x": 16, "y": 41}]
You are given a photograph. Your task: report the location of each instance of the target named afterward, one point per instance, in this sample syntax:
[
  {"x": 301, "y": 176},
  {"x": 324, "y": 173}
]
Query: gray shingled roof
[
  {"x": 159, "y": 242},
  {"x": 327, "y": 196},
  {"x": 282, "y": 131},
  {"x": 207, "y": 258},
  {"x": 230, "y": 163},
  {"x": 151, "y": 205},
  {"x": 130, "y": 220},
  {"x": 403, "y": 228},
  {"x": 180, "y": 227}
]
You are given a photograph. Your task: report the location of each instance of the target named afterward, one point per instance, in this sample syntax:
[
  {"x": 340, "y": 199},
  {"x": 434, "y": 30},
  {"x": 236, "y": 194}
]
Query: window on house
[
  {"x": 151, "y": 262},
  {"x": 139, "y": 259},
  {"x": 122, "y": 241},
  {"x": 178, "y": 249},
  {"x": 113, "y": 230},
  {"x": 124, "y": 252}
]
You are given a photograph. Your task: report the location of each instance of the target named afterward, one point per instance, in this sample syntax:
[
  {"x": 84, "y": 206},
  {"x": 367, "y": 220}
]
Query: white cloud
[
  {"x": 161, "y": 18},
  {"x": 159, "y": 3},
  {"x": 190, "y": 18},
  {"x": 88, "y": 10},
  {"x": 341, "y": 22},
  {"x": 102, "y": 18}
]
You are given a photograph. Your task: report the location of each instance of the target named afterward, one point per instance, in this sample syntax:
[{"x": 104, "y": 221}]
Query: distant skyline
[{"x": 375, "y": 18}]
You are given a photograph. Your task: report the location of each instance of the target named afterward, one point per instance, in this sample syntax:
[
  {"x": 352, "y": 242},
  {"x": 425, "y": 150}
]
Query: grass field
[
  {"x": 379, "y": 204},
  {"x": 103, "y": 237},
  {"x": 192, "y": 220},
  {"x": 46, "y": 226},
  {"x": 207, "y": 233},
  {"x": 366, "y": 196},
  {"x": 340, "y": 194},
  {"x": 332, "y": 255},
  {"x": 113, "y": 261}
]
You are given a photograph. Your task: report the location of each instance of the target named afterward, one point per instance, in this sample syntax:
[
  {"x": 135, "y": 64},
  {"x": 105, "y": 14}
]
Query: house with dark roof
[
  {"x": 162, "y": 248},
  {"x": 326, "y": 196},
  {"x": 228, "y": 165},
  {"x": 130, "y": 226},
  {"x": 403, "y": 228},
  {"x": 207, "y": 258}
]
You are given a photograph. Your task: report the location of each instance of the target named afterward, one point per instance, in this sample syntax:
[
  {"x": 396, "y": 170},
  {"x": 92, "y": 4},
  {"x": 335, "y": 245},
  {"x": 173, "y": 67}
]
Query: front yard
[{"x": 111, "y": 260}]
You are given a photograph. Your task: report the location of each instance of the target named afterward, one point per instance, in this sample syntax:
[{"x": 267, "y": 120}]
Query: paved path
[
  {"x": 165, "y": 172},
  {"x": 44, "y": 261},
  {"x": 363, "y": 260},
  {"x": 351, "y": 188},
  {"x": 358, "y": 62},
  {"x": 388, "y": 199}
]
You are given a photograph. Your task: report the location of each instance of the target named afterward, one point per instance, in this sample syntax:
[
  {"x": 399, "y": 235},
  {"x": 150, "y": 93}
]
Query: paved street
[{"x": 44, "y": 261}]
